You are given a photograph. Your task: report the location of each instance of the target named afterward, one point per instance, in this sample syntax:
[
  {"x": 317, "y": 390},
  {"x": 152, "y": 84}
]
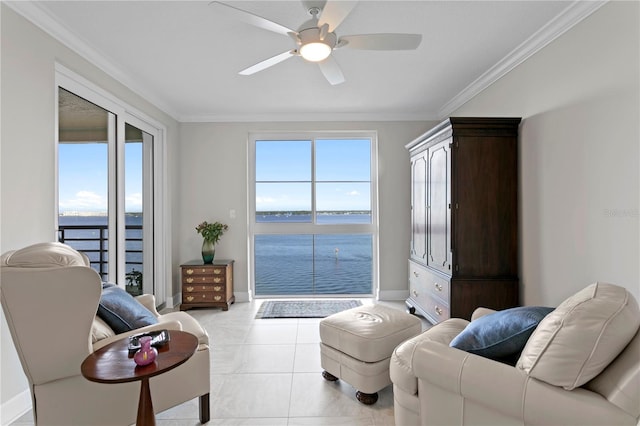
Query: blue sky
[
  {"x": 83, "y": 175},
  {"x": 283, "y": 175},
  {"x": 284, "y": 172}
]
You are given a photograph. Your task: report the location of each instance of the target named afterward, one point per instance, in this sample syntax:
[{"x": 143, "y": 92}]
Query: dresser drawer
[
  {"x": 204, "y": 270},
  {"x": 203, "y": 279},
  {"x": 203, "y": 297},
  {"x": 191, "y": 288}
]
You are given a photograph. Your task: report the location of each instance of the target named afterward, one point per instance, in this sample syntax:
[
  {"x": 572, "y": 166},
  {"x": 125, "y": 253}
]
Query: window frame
[{"x": 257, "y": 228}]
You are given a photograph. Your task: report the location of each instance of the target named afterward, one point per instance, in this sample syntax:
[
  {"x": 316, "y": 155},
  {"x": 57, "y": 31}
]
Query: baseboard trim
[
  {"x": 242, "y": 296},
  {"x": 391, "y": 295},
  {"x": 15, "y": 408}
]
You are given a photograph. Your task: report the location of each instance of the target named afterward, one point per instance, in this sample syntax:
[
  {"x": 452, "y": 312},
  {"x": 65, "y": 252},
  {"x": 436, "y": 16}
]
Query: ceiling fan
[{"x": 316, "y": 38}]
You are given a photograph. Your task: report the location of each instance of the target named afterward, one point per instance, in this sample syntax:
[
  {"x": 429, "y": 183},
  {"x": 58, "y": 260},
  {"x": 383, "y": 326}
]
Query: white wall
[
  {"x": 579, "y": 148},
  {"x": 27, "y": 165},
  {"x": 213, "y": 180}
]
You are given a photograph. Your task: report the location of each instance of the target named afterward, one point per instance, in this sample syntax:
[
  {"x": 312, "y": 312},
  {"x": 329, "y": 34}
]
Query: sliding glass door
[{"x": 105, "y": 190}]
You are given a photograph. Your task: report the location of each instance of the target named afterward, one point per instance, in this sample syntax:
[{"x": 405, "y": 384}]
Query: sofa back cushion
[{"x": 579, "y": 339}]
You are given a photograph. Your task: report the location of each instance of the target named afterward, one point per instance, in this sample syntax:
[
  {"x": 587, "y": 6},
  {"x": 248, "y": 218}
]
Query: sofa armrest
[{"x": 169, "y": 325}]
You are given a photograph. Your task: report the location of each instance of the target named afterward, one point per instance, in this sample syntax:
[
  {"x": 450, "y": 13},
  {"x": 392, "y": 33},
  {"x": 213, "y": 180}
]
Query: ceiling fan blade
[
  {"x": 250, "y": 18},
  {"x": 331, "y": 71},
  {"x": 383, "y": 41},
  {"x": 267, "y": 63},
  {"x": 334, "y": 12}
]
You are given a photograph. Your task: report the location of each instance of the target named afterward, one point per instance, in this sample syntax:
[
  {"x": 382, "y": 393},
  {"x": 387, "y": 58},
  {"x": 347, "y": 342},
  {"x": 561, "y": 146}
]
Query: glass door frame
[{"x": 155, "y": 191}]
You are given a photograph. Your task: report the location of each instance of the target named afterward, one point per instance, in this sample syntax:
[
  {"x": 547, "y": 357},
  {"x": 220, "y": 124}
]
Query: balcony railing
[{"x": 92, "y": 240}]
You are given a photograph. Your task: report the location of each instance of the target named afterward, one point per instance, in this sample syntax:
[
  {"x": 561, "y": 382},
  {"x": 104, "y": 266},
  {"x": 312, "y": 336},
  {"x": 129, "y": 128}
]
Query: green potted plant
[{"x": 211, "y": 233}]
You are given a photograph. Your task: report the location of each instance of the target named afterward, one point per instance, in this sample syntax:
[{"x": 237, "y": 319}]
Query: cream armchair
[
  {"x": 50, "y": 296},
  {"x": 581, "y": 366}
]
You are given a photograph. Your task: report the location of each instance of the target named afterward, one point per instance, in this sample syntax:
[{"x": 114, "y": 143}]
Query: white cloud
[
  {"x": 84, "y": 200},
  {"x": 133, "y": 202},
  {"x": 353, "y": 193}
]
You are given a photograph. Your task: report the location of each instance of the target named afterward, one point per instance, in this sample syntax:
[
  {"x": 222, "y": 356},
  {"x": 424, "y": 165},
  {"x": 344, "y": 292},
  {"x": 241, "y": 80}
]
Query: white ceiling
[{"x": 184, "y": 56}]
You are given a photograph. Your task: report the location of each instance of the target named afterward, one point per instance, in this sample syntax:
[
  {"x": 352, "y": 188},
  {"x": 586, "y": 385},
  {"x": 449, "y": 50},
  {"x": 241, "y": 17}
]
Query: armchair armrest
[
  {"x": 169, "y": 325},
  {"x": 470, "y": 376},
  {"x": 480, "y": 312},
  {"x": 149, "y": 302},
  {"x": 505, "y": 390}
]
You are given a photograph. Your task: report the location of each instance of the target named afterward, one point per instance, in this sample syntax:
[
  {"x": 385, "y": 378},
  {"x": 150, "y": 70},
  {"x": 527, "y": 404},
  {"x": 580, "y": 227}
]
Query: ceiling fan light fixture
[{"x": 315, "y": 51}]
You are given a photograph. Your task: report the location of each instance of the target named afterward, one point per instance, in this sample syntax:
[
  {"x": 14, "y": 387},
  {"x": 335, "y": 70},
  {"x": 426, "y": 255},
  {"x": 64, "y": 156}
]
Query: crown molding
[
  {"x": 296, "y": 117},
  {"x": 43, "y": 20},
  {"x": 569, "y": 17}
]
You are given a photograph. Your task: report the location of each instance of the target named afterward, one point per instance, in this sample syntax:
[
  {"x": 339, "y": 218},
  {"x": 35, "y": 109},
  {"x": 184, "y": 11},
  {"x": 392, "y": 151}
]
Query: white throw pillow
[{"x": 575, "y": 342}]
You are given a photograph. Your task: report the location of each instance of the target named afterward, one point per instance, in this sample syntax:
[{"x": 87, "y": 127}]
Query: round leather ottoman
[{"x": 356, "y": 345}]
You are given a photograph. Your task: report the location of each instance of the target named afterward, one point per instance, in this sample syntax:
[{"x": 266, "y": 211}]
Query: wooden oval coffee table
[{"x": 114, "y": 364}]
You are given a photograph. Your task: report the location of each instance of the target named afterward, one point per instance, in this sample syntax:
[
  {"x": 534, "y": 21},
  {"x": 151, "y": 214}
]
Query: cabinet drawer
[
  {"x": 435, "y": 308},
  {"x": 438, "y": 287},
  {"x": 199, "y": 270},
  {"x": 203, "y": 279},
  {"x": 192, "y": 288},
  {"x": 203, "y": 297},
  {"x": 421, "y": 280}
]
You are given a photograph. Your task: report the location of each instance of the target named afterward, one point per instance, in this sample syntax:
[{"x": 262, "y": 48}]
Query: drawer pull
[
  {"x": 189, "y": 280},
  {"x": 217, "y": 288},
  {"x": 189, "y": 271},
  {"x": 438, "y": 310},
  {"x": 217, "y": 298},
  {"x": 204, "y": 287},
  {"x": 217, "y": 280},
  {"x": 189, "y": 289},
  {"x": 204, "y": 279},
  {"x": 415, "y": 274},
  {"x": 438, "y": 286},
  {"x": 203, "y": 296},
  {"x": 190, "y": 298},
  {"x": 415, "y": 293},
  {"x": 204, "y": 270},
  {"x": 217, "y": 271}
]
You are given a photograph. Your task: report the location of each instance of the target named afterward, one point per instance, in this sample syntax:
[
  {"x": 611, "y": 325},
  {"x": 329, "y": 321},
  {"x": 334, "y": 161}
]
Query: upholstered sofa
[
  {"x": 580, "y": 366},
  {"x": 50, "y": 296}
]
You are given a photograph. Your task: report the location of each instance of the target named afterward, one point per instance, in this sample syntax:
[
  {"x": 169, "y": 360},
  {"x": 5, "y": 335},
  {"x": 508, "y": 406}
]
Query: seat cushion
[
  {"x": 368, "y": 333},
  {"x": 579, "y": 339}
]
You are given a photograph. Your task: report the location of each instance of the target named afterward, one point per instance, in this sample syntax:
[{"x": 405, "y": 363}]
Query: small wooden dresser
[{"x": 209, "y": 285}]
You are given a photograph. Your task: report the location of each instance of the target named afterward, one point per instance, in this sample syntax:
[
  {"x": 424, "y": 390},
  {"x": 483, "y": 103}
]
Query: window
[
  {"x": 313, "y": 207},
  {"x": 109, "y": 205}
]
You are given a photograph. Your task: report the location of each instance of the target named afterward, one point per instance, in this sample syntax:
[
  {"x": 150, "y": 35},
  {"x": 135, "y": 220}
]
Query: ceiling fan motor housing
[{"x": 314, "y": 34}]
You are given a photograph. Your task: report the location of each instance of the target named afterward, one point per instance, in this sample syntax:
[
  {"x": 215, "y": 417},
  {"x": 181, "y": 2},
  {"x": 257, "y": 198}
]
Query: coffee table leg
[{"x": 146, "y": 417}]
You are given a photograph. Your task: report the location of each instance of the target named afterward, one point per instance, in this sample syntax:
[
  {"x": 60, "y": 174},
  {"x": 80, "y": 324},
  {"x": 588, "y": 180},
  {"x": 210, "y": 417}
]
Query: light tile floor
[{"x": 267, "y": 372}]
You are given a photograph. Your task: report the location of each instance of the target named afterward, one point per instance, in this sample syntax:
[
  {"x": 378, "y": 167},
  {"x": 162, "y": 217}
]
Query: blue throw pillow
[
  {"x": 500, "y": 335},
  {"x": 121, "y": 311}
]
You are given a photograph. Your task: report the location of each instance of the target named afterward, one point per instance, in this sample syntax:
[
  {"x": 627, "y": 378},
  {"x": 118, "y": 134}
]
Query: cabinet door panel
[
  {"x": 419, "y": 209},
  {"x": 439, "y": 206}
]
